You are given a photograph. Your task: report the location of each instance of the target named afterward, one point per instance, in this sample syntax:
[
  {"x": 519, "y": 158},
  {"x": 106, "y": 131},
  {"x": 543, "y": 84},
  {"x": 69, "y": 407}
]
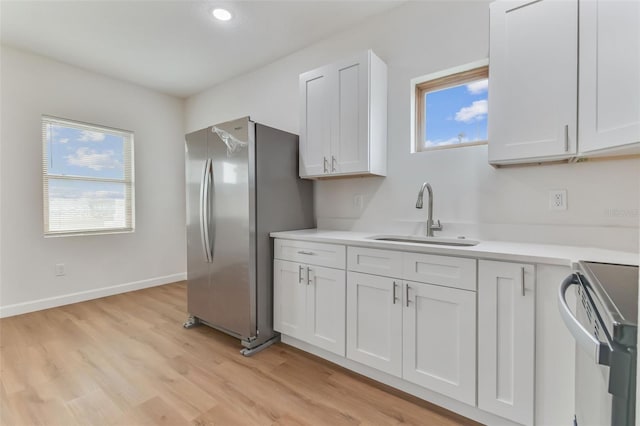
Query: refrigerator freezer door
[
  {"x": 197, "y": 259},
  {"x": 230, "y": 298}
]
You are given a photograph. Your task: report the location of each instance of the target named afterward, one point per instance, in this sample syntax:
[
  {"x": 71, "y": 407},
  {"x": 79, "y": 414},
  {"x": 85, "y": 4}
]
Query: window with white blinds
[{"x": 88, "y": 178}]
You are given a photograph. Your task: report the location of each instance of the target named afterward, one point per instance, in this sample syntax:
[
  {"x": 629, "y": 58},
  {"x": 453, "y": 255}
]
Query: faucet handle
[{"x": 437, "y": 227}]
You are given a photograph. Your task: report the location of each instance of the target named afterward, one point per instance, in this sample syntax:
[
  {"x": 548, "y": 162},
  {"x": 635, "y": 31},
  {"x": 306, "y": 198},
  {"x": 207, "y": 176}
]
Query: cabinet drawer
[
  {"x": 329, "y": 255},
  {"x": 447, "y": 271},
  {"x": 373, "y": 261}
]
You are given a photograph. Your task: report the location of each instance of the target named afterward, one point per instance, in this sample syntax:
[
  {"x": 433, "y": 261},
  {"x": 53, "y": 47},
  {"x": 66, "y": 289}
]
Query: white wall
[
  {"x": 471, "y": 198},
  {"x": 95, "y": 265}
]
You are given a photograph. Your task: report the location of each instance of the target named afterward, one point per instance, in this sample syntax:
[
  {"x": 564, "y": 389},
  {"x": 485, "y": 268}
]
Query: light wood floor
[{"x": 126, "y": 360}]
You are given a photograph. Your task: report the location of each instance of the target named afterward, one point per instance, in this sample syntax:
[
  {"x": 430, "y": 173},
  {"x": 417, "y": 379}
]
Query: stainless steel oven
[{"x": 605, "y": 329}]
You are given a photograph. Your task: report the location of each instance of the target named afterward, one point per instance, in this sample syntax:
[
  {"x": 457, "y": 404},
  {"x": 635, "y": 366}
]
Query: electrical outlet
[
  {"x": 558, "y": 199},
  {"x": 59, "y": 269}
]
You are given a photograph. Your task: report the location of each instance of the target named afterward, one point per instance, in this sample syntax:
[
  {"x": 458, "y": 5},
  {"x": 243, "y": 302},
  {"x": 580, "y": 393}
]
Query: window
[
  {"x": 451, "y": 108},
  {"x": 88, "y": 178}
]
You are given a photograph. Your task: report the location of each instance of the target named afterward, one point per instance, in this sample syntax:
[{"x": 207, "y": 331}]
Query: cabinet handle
[
  {"x": 299, "y": 274},
  {"x": 333, "y": 163},
  {"x": 522, "y": 279},
  {"x": 566, "y": 138},
  {"x": 309, "y": 253},
  {"x": 325, "y": 164},
  {"x": 309, "y": 271},
  {"x": 394, "y": 292},
  {"x": 407, "y": 295}
]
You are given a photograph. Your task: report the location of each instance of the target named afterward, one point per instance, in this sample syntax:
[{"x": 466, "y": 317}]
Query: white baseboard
[{"x": 66, "y": 299}]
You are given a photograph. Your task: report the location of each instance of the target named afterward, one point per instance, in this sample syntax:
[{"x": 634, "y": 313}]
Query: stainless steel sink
[{"x": 426, "y": 240}]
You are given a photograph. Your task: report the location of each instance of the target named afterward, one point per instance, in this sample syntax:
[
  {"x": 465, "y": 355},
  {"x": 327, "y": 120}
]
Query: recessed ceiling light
[{"x": 221, "y": 14}]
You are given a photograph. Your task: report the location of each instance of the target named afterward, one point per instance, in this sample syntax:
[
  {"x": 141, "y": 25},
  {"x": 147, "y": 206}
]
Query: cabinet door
[
  {"x": 326, "y": 308},
  {"x": 532, "y": 80},
  {"x": 506, "y": 352},
  {"x": 316, "y": 88},
  {"x": 289, "y": 298},
  {"x": 350, "y": 139},
  {"x": 609, "y": 74},
  {"x": 439, "y": 340},
  {"x": 374, "y": 321}
]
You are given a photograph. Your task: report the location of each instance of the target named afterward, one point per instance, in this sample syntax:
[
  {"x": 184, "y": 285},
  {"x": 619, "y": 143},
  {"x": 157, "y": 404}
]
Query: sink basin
[{"x": 426, "y": 240}]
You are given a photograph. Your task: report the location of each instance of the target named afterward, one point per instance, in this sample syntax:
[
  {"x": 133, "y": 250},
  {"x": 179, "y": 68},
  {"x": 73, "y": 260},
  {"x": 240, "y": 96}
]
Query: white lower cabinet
[
  {"x": 506, "y": 340},
  {"x": 439, "y": 340},
  {"x": 326, "y": 308},
  {"x": 309, "y": 304},
  {"x": 374, "y": 321},
  {"x": 461, "y": 327},
  {"x": 423, "y": 333},
  {"x": 289, "y": 298}
]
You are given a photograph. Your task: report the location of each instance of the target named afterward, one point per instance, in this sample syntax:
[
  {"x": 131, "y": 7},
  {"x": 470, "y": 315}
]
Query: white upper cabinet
[
  {"x": 315, "y": 122},
  {"x": 343, "y": 118},
  {"x": 533, "y": 80},
  {"x": 609, "y": 94},
  {"x": 564, "y": 81}
]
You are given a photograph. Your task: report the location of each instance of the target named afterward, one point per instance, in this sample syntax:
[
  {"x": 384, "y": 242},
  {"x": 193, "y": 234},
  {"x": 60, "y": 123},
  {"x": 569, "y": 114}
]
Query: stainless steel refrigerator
[{"x": 242, "y": 183}]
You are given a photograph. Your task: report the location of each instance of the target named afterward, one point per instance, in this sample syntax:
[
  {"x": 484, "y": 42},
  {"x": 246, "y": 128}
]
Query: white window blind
[{"x": 88, "y": 178}]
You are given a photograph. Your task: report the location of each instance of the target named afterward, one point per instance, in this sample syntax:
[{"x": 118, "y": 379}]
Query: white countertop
[{"x": 549, "y": 254}]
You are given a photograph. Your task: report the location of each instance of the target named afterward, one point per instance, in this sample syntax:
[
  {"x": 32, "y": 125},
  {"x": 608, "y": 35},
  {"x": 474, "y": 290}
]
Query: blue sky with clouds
[
  {"x": 75, "y": 152},
  {"x": 456, "y": 114},
  {"x": 84, "y": 153}
]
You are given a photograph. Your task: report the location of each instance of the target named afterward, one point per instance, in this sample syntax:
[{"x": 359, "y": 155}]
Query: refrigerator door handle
[
  {"x": 201, "y": 211},
  {"x": 208, "y": 204},
  {"x": 204, "y": 210}
]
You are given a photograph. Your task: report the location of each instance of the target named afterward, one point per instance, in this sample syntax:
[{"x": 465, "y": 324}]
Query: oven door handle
[{"x": 584, "y": 338}]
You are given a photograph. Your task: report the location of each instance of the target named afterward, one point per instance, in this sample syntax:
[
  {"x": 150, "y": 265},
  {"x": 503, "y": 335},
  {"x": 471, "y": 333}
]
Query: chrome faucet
[{"x": 430, "y": 225}]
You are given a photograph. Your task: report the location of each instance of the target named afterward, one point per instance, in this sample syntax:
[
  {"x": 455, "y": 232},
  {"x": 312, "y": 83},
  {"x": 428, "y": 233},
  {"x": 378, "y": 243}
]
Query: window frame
[
  {"x": 452, "y": 77},
  {"x": 128, "y": 179}
]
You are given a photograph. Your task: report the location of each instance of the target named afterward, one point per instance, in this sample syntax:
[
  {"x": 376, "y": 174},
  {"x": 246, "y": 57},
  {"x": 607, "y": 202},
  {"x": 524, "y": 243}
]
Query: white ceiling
[{"x": 175, "y": 47}]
